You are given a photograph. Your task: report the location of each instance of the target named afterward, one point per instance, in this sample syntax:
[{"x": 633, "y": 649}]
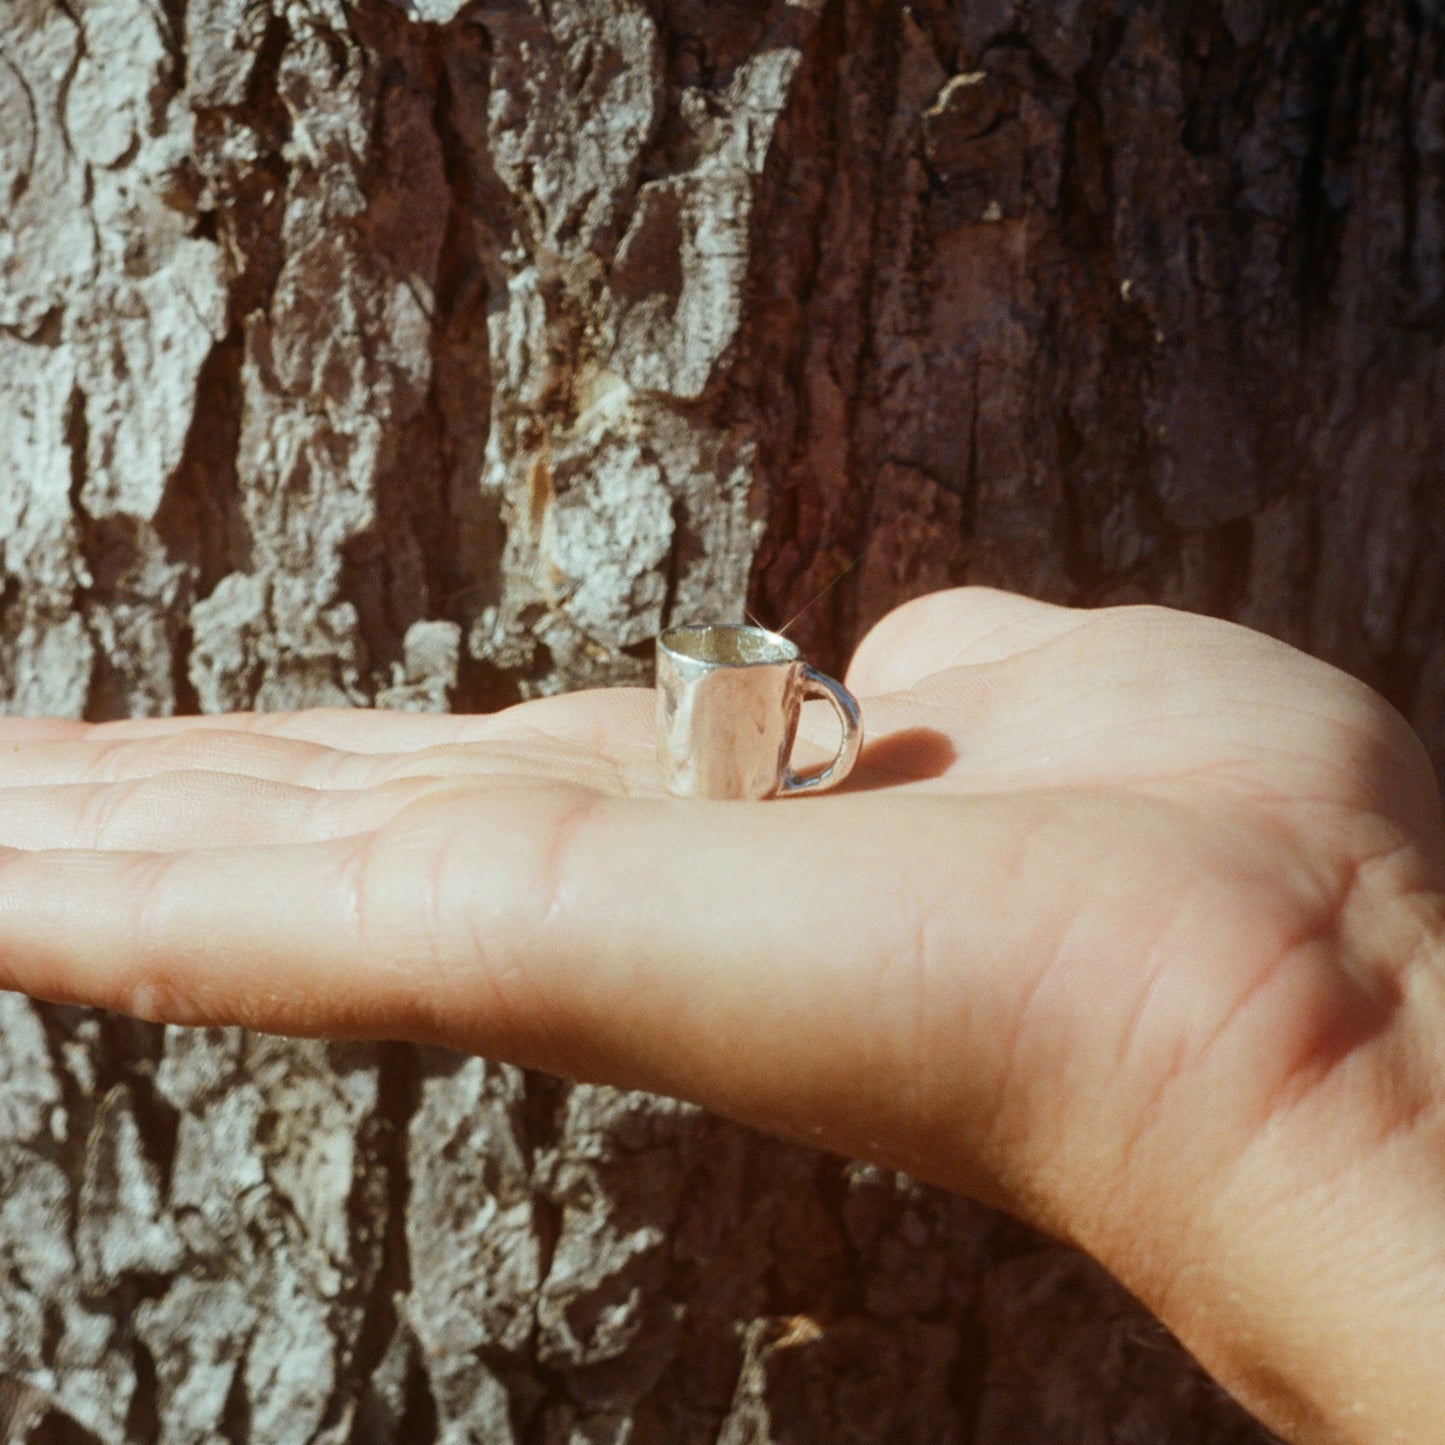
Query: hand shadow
[{"x": 907, "y": 756}]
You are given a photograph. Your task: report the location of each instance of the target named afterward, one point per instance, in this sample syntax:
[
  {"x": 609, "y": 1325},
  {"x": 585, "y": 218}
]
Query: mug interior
[{"x": 729, "y": 644}]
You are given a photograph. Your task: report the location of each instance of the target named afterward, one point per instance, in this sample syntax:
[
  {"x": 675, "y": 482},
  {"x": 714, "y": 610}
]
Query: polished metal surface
[{"x": 728, "y": 700}]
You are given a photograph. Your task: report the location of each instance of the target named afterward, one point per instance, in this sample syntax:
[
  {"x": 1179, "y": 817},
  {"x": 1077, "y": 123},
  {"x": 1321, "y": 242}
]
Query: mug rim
[{"x": 790, "y": 649}]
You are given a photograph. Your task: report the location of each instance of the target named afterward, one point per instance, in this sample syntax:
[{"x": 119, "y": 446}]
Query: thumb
[{"x": 962, "y": 626}]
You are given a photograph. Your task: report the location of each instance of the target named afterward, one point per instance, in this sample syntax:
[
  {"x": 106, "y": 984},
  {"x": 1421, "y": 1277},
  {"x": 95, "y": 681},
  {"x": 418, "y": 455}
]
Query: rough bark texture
[{"x": 434, "y": 355}]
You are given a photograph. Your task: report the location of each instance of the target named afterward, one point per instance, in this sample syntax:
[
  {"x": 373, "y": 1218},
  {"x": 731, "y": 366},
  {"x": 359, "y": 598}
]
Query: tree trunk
[{"x": 431, "y": 355}]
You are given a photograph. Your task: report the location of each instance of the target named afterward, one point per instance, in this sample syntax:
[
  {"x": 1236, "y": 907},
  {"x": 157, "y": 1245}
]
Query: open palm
[{"x": 1128, "y": 921}]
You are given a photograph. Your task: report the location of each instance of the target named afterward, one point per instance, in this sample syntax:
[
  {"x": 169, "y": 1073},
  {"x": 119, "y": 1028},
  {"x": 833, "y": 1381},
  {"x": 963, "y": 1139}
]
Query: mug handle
[{"x": 819, "y": 684}]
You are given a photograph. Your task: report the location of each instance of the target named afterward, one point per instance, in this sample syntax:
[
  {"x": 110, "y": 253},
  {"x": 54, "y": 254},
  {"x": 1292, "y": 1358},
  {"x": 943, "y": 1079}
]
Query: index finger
[{"x": 720, "y": 952}]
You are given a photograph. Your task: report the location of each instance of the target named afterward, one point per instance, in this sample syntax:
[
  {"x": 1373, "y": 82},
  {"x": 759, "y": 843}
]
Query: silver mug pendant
[{"x": 728, "y": 700}]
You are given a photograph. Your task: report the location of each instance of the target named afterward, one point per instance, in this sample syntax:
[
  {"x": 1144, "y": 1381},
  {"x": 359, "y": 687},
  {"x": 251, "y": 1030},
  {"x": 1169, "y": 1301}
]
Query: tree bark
[{"x": 433, "y": 355}]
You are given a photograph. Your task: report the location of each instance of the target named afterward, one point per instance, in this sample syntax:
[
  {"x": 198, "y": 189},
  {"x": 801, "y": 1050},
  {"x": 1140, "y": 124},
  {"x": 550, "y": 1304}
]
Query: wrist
[{"x": 1325, "y": 1313}]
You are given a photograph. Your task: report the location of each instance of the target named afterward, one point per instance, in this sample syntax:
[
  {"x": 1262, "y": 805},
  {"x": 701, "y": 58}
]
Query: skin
[{"x": 1130, "y": 922}]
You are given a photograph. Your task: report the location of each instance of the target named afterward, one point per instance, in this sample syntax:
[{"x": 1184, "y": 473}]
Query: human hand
[{"x": 1128, "y": 921}]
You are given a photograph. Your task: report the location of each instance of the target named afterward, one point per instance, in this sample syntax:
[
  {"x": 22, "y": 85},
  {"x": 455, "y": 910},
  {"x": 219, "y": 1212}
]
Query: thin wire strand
[{"x": 828, "y": 587}]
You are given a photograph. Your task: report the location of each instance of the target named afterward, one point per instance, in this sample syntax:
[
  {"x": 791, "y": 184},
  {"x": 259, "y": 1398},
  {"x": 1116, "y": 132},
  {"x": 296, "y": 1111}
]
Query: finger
[
  {"x": 360, "y": 730},
  {"x": 604, "y": 733},
  {"x": 363, "y": 730},
  {"x": 15, "y": 730},
  {"x": 961, "y": 626},
  {"x": 101, "y": 757},
  {"x": 365, "y": 935},
  {"x": 159, "y": 804},
  {"x": 182, "y": 810},
  {"x": 509, "y": 923},
  {"x": 602, "y": 737},
  {"x": 357, "y": 729}
]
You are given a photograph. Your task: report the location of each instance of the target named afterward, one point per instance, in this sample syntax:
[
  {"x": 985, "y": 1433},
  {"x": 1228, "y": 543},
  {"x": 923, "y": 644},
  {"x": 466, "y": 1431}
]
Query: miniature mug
[{"x": 728, "y": 701}]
